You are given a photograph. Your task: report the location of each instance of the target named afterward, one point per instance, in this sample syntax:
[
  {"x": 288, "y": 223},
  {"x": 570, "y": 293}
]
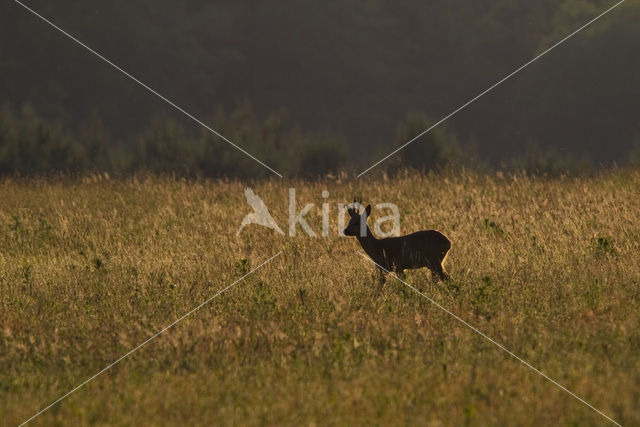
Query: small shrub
[{"x": 604, "y": 245}]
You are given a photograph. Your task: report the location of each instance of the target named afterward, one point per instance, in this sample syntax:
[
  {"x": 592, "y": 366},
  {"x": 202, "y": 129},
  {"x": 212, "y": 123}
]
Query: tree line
[
  {"x": 33, "y": 145},
  {"x": 350, "y": 73}
]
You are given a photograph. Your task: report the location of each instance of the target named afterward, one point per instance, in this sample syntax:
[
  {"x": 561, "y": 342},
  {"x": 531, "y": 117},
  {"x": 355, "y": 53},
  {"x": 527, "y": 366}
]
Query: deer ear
[{"x": 368, "y": 210}]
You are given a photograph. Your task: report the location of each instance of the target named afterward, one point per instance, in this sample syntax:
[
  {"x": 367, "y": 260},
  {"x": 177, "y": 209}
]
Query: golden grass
[{"x": 91, "y": 268}]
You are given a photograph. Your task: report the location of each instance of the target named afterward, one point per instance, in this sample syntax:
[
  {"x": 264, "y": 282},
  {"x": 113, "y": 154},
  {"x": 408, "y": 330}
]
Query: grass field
[{"x": 91, "y": 268}]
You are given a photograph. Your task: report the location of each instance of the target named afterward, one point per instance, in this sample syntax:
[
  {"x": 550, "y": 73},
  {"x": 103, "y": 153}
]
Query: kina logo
[{"x": 260, "y": 214}]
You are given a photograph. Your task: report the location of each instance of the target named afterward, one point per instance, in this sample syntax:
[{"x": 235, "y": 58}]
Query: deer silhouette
[{"x": 427, "y": 248}]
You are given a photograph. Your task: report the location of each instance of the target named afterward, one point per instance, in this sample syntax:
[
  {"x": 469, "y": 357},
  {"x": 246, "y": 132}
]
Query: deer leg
[
  {"x": 381, "y": 280},
  {"x": 439, "y": 272},
  {"x": 382, "y": 277}
]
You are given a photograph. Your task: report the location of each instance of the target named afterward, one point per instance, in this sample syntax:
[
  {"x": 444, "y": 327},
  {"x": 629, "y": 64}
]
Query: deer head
[{"x": 358, "y": 222}]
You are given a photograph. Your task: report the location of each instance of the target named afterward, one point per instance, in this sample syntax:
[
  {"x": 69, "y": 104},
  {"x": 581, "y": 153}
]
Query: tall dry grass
[{"x": 91, "y": 268}]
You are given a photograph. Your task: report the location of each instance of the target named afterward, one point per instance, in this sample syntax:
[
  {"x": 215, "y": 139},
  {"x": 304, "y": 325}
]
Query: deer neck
[{"x": 369, "y": 243}]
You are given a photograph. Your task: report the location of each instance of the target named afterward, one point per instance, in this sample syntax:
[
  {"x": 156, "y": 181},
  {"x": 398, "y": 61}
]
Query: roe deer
[{"x": 427, "y": 248}]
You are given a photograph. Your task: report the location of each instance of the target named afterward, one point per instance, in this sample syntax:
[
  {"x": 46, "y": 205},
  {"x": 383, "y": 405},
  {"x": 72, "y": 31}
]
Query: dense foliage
[{"x": 354, "y": 69}]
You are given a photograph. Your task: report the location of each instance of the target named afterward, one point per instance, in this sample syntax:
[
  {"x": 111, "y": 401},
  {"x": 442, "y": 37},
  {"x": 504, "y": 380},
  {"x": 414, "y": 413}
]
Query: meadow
[{"x": 91, "y": 267}]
